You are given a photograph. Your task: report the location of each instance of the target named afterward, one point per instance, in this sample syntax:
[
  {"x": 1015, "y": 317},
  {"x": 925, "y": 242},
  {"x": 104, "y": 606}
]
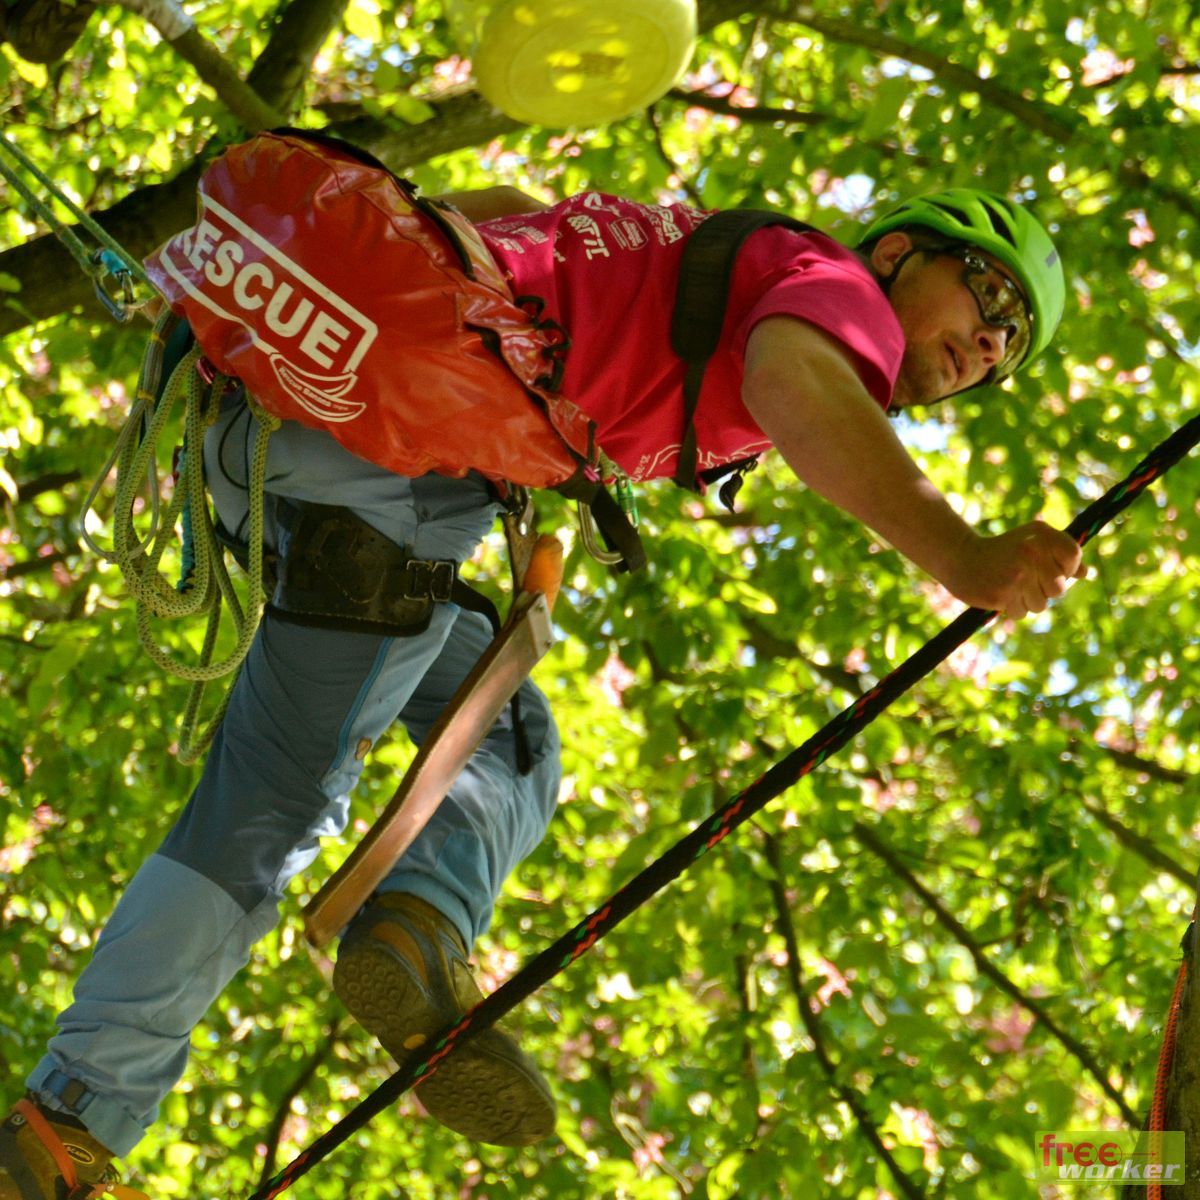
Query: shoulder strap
[
  {"x": 410, "y": 190},
  {"x": 700, "y": 299}
]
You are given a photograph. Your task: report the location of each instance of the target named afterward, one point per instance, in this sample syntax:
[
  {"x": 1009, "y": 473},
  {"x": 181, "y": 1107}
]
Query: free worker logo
[
  {"x": 314, "y": 339},
  {"x": 1107, "y": 1156}
]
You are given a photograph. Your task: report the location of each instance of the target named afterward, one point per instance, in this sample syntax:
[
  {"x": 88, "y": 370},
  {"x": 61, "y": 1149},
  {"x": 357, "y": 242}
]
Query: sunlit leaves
[{"x": 678, "y": 1045}]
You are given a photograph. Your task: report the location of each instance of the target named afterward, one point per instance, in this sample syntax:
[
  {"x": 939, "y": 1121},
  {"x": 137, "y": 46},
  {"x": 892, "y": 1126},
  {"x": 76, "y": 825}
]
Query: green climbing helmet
[{"x": 1006, "y": 231}]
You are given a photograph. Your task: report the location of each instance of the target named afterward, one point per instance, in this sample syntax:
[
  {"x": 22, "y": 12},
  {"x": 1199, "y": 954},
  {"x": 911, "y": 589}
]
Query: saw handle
[{"x": 545, "y": 571}]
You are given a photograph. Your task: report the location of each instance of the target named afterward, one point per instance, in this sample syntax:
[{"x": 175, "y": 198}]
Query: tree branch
[
  {"x": 688, "y": 186},
  {"x": 745, "y": 990},
  {"x": 1141, "y": 846},
  {"x": 769, "y": 645},
  {"x": 812, "y": 1025},
  {"x": 19, "y": 641},
  {"x": 32, "y": 488},
  {"x": 1058, "y": 123},
  {"x": 180, "y": 33},
  {"x": 762, "y": 115},
  {"x": 873, "y": 842},
  {"x": 1145, "y": 766},
  {"x": 283, "y": 67},
  {"x": 750, "y": 115},
  {"x": 35, "y": 566}
]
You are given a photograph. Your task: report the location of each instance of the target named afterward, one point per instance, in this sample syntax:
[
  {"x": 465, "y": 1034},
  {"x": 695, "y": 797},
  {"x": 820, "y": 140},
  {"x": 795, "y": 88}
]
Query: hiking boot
[
  {"x": 46, "y": 1155},
  {"x": 402, "y": 973}
]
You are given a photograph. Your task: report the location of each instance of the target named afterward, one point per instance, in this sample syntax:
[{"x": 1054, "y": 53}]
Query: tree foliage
[{"x": 962, "y": 930}]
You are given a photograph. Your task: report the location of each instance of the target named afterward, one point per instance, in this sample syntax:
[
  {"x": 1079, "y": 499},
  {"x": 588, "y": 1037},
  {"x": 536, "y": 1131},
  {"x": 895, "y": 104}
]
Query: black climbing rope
[{"x": 714, "y": 829}]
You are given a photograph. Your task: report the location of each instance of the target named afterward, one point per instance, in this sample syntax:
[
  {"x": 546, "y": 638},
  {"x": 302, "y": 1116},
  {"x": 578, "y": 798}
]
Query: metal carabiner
[
  {"x": 110, "y": 266},
  {"x": 591, "y": 542}
]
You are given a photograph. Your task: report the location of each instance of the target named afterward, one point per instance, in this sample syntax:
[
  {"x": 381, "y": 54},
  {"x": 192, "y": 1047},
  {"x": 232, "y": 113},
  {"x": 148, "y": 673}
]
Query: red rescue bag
[{"x": 346, "y": 303}]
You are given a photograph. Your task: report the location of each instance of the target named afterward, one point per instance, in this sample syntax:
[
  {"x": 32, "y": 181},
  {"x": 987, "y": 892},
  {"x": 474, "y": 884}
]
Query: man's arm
[
  {"x": 487, "y": 203},
  {"x": 803, "y": 392}
]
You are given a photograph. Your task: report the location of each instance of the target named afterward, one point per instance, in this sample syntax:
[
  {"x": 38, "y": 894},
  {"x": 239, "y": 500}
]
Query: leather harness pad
[{"x": 337, "y": 571}]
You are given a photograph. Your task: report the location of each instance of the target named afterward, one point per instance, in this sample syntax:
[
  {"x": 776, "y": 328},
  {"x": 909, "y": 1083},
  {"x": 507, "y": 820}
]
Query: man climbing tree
[{"x": 947, "y": 292}]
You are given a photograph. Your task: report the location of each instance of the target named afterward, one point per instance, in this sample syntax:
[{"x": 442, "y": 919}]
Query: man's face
[{"x": 948, "y": 344}]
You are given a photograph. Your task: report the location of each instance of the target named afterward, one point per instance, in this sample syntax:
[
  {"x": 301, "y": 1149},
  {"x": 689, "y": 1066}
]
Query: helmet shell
[{"x": 1005, "y": 230}]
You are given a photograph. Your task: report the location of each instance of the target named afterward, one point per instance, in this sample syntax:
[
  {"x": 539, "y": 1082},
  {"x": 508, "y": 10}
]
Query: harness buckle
[{"x": 429, "y": 579}]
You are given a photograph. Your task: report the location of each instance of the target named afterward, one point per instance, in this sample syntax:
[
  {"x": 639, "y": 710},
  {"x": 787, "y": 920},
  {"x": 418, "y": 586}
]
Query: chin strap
[
  {"x": 885, "y": 281},
  {"x": 66, "y": 1165}
]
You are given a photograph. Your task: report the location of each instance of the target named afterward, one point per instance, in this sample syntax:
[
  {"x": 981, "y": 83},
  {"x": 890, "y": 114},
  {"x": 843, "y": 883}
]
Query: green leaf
[{"x": 882, "y": 116}]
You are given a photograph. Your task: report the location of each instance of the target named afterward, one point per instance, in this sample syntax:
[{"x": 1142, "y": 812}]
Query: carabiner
[{"x": 119, "y": 302}]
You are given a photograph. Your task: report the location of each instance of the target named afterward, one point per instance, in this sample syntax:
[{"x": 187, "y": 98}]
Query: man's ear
[{"x": 888, "y": 250}]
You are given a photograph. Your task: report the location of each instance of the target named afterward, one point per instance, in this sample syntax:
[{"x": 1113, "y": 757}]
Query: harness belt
[{"x": 336, "y": 571}]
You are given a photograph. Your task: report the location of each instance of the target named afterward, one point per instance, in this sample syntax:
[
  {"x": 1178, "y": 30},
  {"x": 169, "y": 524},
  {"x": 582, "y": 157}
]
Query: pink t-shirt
[{"x": 607, "y": 270}]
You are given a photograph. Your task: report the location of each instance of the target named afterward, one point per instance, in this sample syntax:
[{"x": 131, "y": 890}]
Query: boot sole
[{"x": 488, "y": 1090}]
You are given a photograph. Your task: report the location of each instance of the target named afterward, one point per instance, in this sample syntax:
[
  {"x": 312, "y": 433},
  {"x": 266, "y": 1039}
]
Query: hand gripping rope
[{"x": 714, "y": 829}]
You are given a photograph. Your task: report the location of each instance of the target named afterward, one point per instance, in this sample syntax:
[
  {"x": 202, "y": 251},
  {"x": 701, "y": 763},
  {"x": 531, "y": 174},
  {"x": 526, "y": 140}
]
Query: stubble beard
[{"x": 919, "y": 381}]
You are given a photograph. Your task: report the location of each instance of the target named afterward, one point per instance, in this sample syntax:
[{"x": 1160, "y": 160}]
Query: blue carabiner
[{"x": 119, "y": 302}]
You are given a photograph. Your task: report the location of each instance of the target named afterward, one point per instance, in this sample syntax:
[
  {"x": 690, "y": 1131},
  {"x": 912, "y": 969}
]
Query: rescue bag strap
[
  {"x": 701, "y": 296},
  {"x": 557, "y": 338},
  {"x": 433, "y": 211},
  {"x": 614, "y": 525}
]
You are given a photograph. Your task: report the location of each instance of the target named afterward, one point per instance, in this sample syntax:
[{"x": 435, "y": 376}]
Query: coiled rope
[
  {"x": 713, "y": 830},
  {"x": 204, "y": 587}
]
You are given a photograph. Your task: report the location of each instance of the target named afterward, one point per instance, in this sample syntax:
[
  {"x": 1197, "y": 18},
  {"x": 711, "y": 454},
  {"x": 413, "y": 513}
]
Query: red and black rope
[{"x": 714, "y": 829}]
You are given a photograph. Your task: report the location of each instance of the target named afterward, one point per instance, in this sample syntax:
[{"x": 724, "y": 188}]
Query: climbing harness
[
  {"x": 110, "y": 267},
  {"x": 203, "y": 582},
  {"x": 713, "y": 830}
]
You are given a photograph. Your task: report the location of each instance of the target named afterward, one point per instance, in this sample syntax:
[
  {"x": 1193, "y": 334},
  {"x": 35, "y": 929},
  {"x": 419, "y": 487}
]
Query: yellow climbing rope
[{"x": 205, "y": 587}]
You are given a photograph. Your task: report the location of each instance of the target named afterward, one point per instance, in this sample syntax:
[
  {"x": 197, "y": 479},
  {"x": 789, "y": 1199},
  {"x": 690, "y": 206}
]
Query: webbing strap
[
  {"x": 51, "y": 1141},
  {"x": 701, "y": 296},
  {"x": 783, "y": 775}
]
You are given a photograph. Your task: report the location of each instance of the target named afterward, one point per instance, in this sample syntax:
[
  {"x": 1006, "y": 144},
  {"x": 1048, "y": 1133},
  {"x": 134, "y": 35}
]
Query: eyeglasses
[{"x": 1000, "y": 303}]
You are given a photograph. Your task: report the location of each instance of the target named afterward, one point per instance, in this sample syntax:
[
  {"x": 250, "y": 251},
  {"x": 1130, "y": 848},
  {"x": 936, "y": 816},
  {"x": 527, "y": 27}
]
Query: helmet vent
[
  {"x": 1000, "y": 225},
  {"x": 957, "y": 213}
]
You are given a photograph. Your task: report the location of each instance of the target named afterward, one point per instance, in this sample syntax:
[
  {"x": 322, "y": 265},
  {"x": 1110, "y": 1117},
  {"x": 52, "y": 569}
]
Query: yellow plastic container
[{"x": 574, "y": 62}]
